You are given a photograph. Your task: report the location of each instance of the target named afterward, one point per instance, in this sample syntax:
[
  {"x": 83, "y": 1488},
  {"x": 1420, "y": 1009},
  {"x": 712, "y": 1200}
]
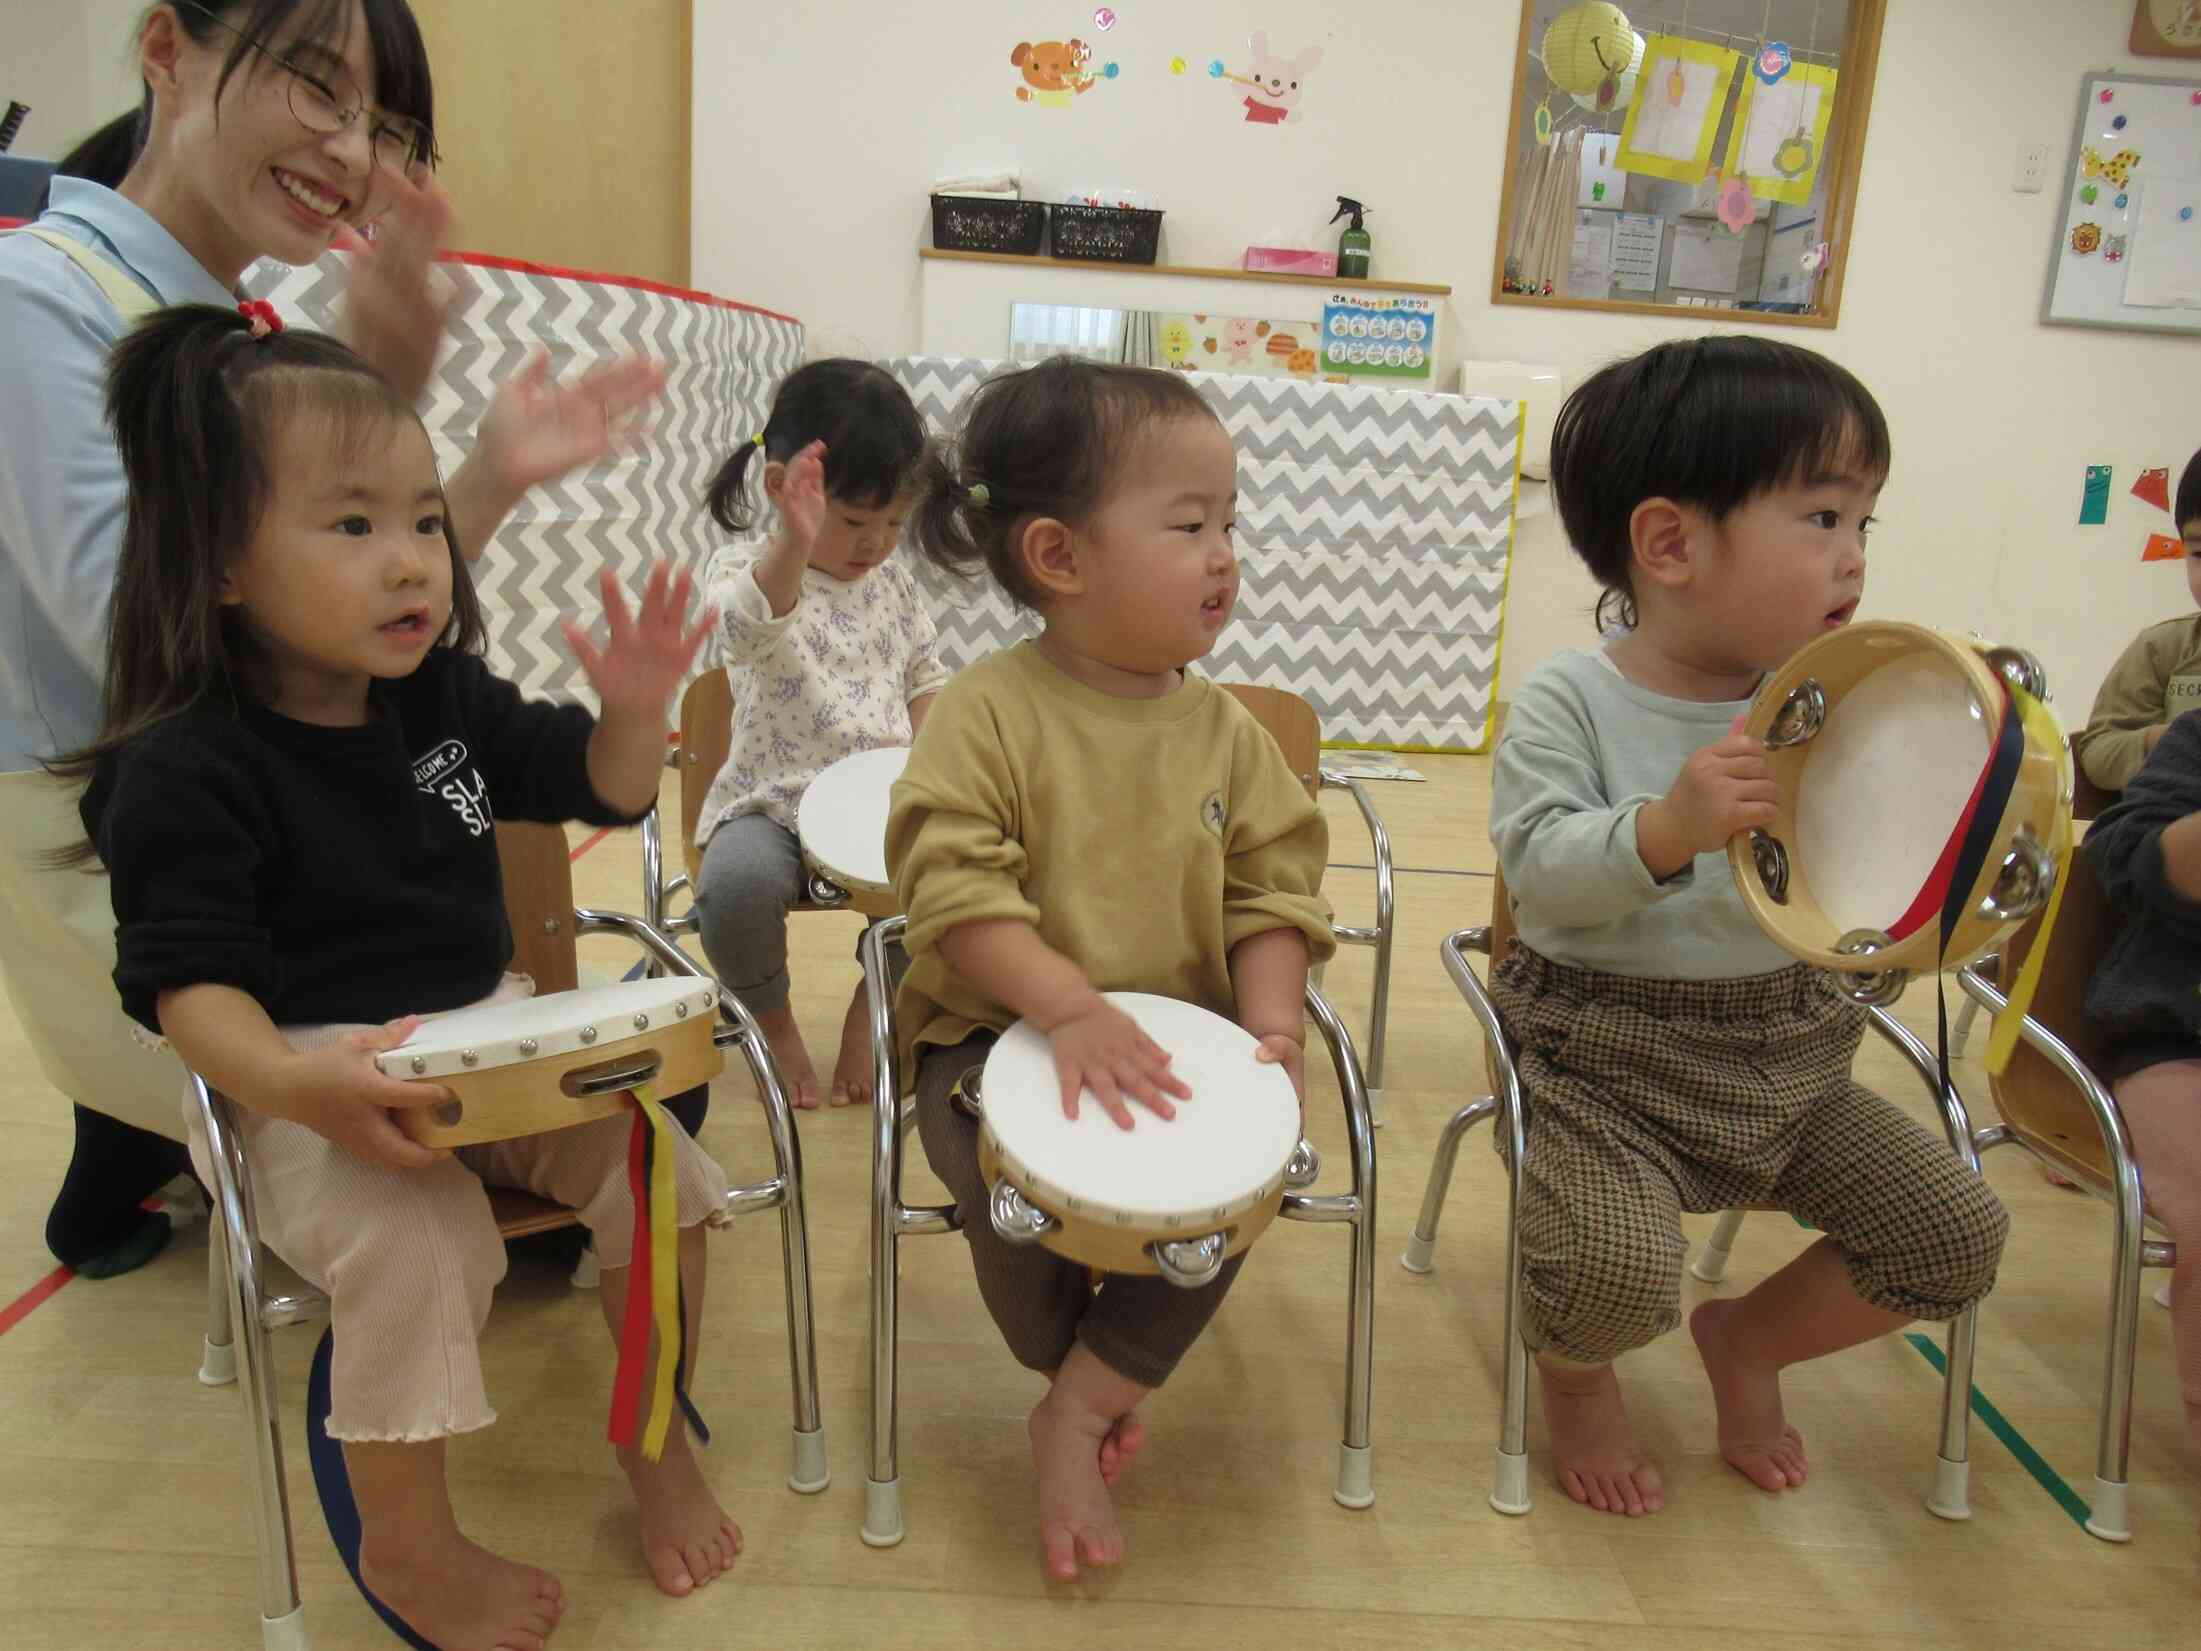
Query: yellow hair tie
[{"x": 757, "y": 440}]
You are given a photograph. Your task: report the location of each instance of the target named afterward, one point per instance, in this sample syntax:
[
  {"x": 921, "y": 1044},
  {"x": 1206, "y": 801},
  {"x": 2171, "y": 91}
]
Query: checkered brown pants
[{"x": 1650, "y": 1097}]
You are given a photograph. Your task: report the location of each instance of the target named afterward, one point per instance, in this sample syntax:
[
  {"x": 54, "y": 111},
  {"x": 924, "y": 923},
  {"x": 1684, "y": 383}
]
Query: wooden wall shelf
[{"x": 1097, "y": 267}]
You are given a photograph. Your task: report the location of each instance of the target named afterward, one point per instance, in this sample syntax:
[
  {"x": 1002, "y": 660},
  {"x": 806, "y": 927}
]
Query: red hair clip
[{"x": 262, "y": 315}]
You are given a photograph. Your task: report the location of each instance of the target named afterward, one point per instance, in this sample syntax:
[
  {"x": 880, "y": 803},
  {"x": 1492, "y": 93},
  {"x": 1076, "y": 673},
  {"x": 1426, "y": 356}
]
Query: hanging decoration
[
  {"x": 1543, "y": 121},
  {"x": 1772, "y": 61},
  {"x": 1616, "y": 91},
  {"x": 1738, "y": 208},
  {"x": 1585, "y": 45},
  {"x": 1793, "y": 158}
]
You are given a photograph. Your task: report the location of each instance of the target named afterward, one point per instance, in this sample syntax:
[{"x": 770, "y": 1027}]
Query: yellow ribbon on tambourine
[{"x": 2040, "y": 725}]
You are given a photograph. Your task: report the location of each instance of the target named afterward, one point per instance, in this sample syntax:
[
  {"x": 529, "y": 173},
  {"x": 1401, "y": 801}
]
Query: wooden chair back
[
  {"x": 2041, "y": 1106},
  {"x": 1291, "y": 722},
  {"x": 2087, "y": 798},
  {"x": 706, "y": 736},
  {"x": 538, "y": 901}
]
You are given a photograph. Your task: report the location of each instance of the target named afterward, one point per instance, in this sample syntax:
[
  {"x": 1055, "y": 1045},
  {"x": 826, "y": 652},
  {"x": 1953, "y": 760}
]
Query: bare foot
[
  {"x": 1755, "y": 1437},
  {"x": 1125, "y": 1440},
  {"x": 784, "y": 1038},
  {"x": 460, "y": 1596},
  {"x": 687, "y": 1539},
  {"x": 852, "y": 1072},
  {"x": 1077, "y": 1518},
  {"x": 1593, "y": 1450}
]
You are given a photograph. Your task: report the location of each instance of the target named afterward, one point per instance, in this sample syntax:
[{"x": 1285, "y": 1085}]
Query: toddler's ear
[
  {"x": 1659, "y": 542},
  {"x": 775, "y": 479}
]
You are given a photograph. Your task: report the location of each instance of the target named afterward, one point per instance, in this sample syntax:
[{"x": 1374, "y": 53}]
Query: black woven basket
[
  {"x": 976, "y": 223},
  {"x": 1107, "y": 234}
]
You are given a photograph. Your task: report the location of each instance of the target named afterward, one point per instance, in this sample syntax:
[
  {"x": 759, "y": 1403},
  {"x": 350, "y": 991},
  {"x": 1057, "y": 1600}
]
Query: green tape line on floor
[{"x": 2029, "y": 1459}]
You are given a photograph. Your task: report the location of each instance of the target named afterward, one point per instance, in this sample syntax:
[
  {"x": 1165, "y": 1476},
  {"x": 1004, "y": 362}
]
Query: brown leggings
[{"x": 1138, "y": 1326}]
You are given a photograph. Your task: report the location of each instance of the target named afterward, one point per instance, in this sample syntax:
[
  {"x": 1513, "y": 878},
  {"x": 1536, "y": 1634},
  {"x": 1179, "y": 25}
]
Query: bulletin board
[{"x": 2130, "y": 256}]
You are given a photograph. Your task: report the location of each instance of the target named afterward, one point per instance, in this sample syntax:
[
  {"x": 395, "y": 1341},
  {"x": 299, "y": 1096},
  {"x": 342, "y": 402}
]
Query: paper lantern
[
  {"x": 1576, "y": 38},
  {"x": 1622, "y": 85}
]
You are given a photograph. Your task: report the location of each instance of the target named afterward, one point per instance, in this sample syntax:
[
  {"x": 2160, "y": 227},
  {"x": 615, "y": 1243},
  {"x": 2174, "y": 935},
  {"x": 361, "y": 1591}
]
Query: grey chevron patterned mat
[
  {"x": 1375, "y": 532},
  {"x": 636, "y": 507}
]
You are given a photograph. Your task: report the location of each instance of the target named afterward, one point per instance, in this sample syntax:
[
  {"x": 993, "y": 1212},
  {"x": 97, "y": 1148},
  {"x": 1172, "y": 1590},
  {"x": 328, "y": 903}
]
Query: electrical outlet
[{"x": 2031, "y": 169}]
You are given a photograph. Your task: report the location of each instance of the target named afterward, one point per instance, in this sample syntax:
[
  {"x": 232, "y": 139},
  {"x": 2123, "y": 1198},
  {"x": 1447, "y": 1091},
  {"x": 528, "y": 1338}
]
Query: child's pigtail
[{"x": 723, "y": 498}]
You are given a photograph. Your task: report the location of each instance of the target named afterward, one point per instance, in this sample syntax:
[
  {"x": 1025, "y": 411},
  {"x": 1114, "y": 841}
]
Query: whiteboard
[{"x": 2144, "y": 260}]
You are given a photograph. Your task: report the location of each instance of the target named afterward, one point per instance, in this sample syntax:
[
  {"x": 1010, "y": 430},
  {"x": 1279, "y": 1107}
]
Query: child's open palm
[
  {"x": 802, "y": 497},
  {"x": 648, "y": 652}
]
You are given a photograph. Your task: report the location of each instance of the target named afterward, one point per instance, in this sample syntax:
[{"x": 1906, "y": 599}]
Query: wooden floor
[{"x": 123, "y": 1518}]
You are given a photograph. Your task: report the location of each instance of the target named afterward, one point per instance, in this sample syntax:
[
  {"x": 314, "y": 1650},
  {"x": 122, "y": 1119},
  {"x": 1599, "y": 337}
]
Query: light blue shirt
[
  {"x": 1584, "y": 749},
  {"x": 61, "y": 485}
]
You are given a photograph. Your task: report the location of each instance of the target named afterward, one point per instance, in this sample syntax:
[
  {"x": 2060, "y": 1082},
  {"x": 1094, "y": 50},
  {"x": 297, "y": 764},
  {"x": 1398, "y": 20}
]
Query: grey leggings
[
  {"x": 1136, "y": 1325},
  {"x": 752, "y": 876}
]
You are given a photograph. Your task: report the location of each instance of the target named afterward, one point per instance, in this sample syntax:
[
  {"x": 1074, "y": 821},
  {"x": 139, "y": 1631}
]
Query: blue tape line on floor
[{"x": 2029, "y": 1459}]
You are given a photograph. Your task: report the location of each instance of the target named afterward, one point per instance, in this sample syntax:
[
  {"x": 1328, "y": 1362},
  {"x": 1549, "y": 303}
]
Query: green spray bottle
[{"x": 1354, "y": 244}]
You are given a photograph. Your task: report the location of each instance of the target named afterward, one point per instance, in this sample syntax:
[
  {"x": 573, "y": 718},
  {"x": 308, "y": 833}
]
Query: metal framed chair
[
  {"x": 706, "y": 735},
  {"x": 892, "y": 1220},
  {"x": 1507, "y": 1110},
  {"x": 1297, "y": 730},
  {"x": 2087, "y": 801},
  {"x": 2056, "y": 1108},
  {"x": 545, "y": 925}
]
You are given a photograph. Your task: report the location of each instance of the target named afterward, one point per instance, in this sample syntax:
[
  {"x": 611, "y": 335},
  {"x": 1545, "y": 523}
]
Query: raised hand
[
  {"x": 337, "y": 1092},
  {"x": 1101, "y": 1048},
  {"x": 537, "y": 430},
  {"x": 802, "y": 499},
  {"x": 648, "y": 652},
  {"x": 393, "y": 311}
]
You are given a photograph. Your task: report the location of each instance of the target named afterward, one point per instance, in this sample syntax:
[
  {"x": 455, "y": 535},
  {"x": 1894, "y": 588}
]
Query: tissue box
[{"x": 1291, "y": 260}]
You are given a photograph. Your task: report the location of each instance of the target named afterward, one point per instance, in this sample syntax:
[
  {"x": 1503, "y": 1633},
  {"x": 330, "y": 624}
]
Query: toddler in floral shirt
[{"x": 830, "y": 652}]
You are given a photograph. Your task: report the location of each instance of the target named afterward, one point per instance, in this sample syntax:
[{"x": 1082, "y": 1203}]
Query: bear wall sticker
[{"x": 1056, "y": 72}]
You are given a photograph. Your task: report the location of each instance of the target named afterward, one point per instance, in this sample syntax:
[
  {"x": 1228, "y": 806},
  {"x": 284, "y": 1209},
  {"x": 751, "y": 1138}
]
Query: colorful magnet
[
  {"x": 2087, "y": 193},
  {"x": 2161, "y": 547},
  {"x": 1793, "y": 158},
  {"x": 2196, "y": 100},
  {"x": 2121, "y": 200},
  {"x": 2153, "y": 488},
  {"x": 1773, "y": 61},
  {"x": 2108, "y": 96},
  {"x": 2113, "y": 248},
  {"x": 1176, "y": 65},
  {"x": 1597, "y": 190},
  {"x": 2094, "y": 502},
  {"x": 1543, "y": 121},
  {"x": 2185, "y": 214},
  {"x": 1104, "y": 19},
  {"x": 2117, "y": 125},
  {"x": 2086, "y": 238},
  {"x": 1738, "y": 209},
  {"x": 2117, "y": 169}
]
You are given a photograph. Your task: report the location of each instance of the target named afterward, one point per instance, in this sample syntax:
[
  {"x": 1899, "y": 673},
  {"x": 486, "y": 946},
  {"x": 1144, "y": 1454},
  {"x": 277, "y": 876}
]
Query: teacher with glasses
[{"x": 268, "y": 129}]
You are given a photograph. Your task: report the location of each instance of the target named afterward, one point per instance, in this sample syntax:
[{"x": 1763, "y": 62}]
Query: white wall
[
  {"x": 70, "y": 61},
  {"x": 819, "y": 126}
]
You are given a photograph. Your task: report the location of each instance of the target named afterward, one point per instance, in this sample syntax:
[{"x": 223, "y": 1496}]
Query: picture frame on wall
[{"x": 2166, "y": 28}]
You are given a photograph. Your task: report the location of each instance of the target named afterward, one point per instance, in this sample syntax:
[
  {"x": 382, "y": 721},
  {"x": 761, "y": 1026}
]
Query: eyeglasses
[{"x": 398, "y": 142}]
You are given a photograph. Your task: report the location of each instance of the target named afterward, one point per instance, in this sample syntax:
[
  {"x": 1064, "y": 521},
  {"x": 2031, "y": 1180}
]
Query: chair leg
[
  {"x": 1509, "y": 1493},
  {"x": 1421, "y": 1247},
  {"x": 1711, "y": 1262},
  {"x": 218, "y": 1357},
  {"x": 809, "y": 1473},
  {"x": 1961, "y": 1033},
  {"x": 1355, "y": 1469},
  {"x": 282, "y": 1616},
  {"x": 883, "y": 1526},
  {"x": 2111, "y": 1519},
  {"x": 1379, "y": 1005},
  {"x": 1951, "y": 1496}
]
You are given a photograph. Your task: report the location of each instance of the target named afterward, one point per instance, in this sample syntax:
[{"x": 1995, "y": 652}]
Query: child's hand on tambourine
[
  {"x": 337, "y": 1092},
  {"x": 1724, "y": 788},
  {"x": 1103, "y": 1049}
]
